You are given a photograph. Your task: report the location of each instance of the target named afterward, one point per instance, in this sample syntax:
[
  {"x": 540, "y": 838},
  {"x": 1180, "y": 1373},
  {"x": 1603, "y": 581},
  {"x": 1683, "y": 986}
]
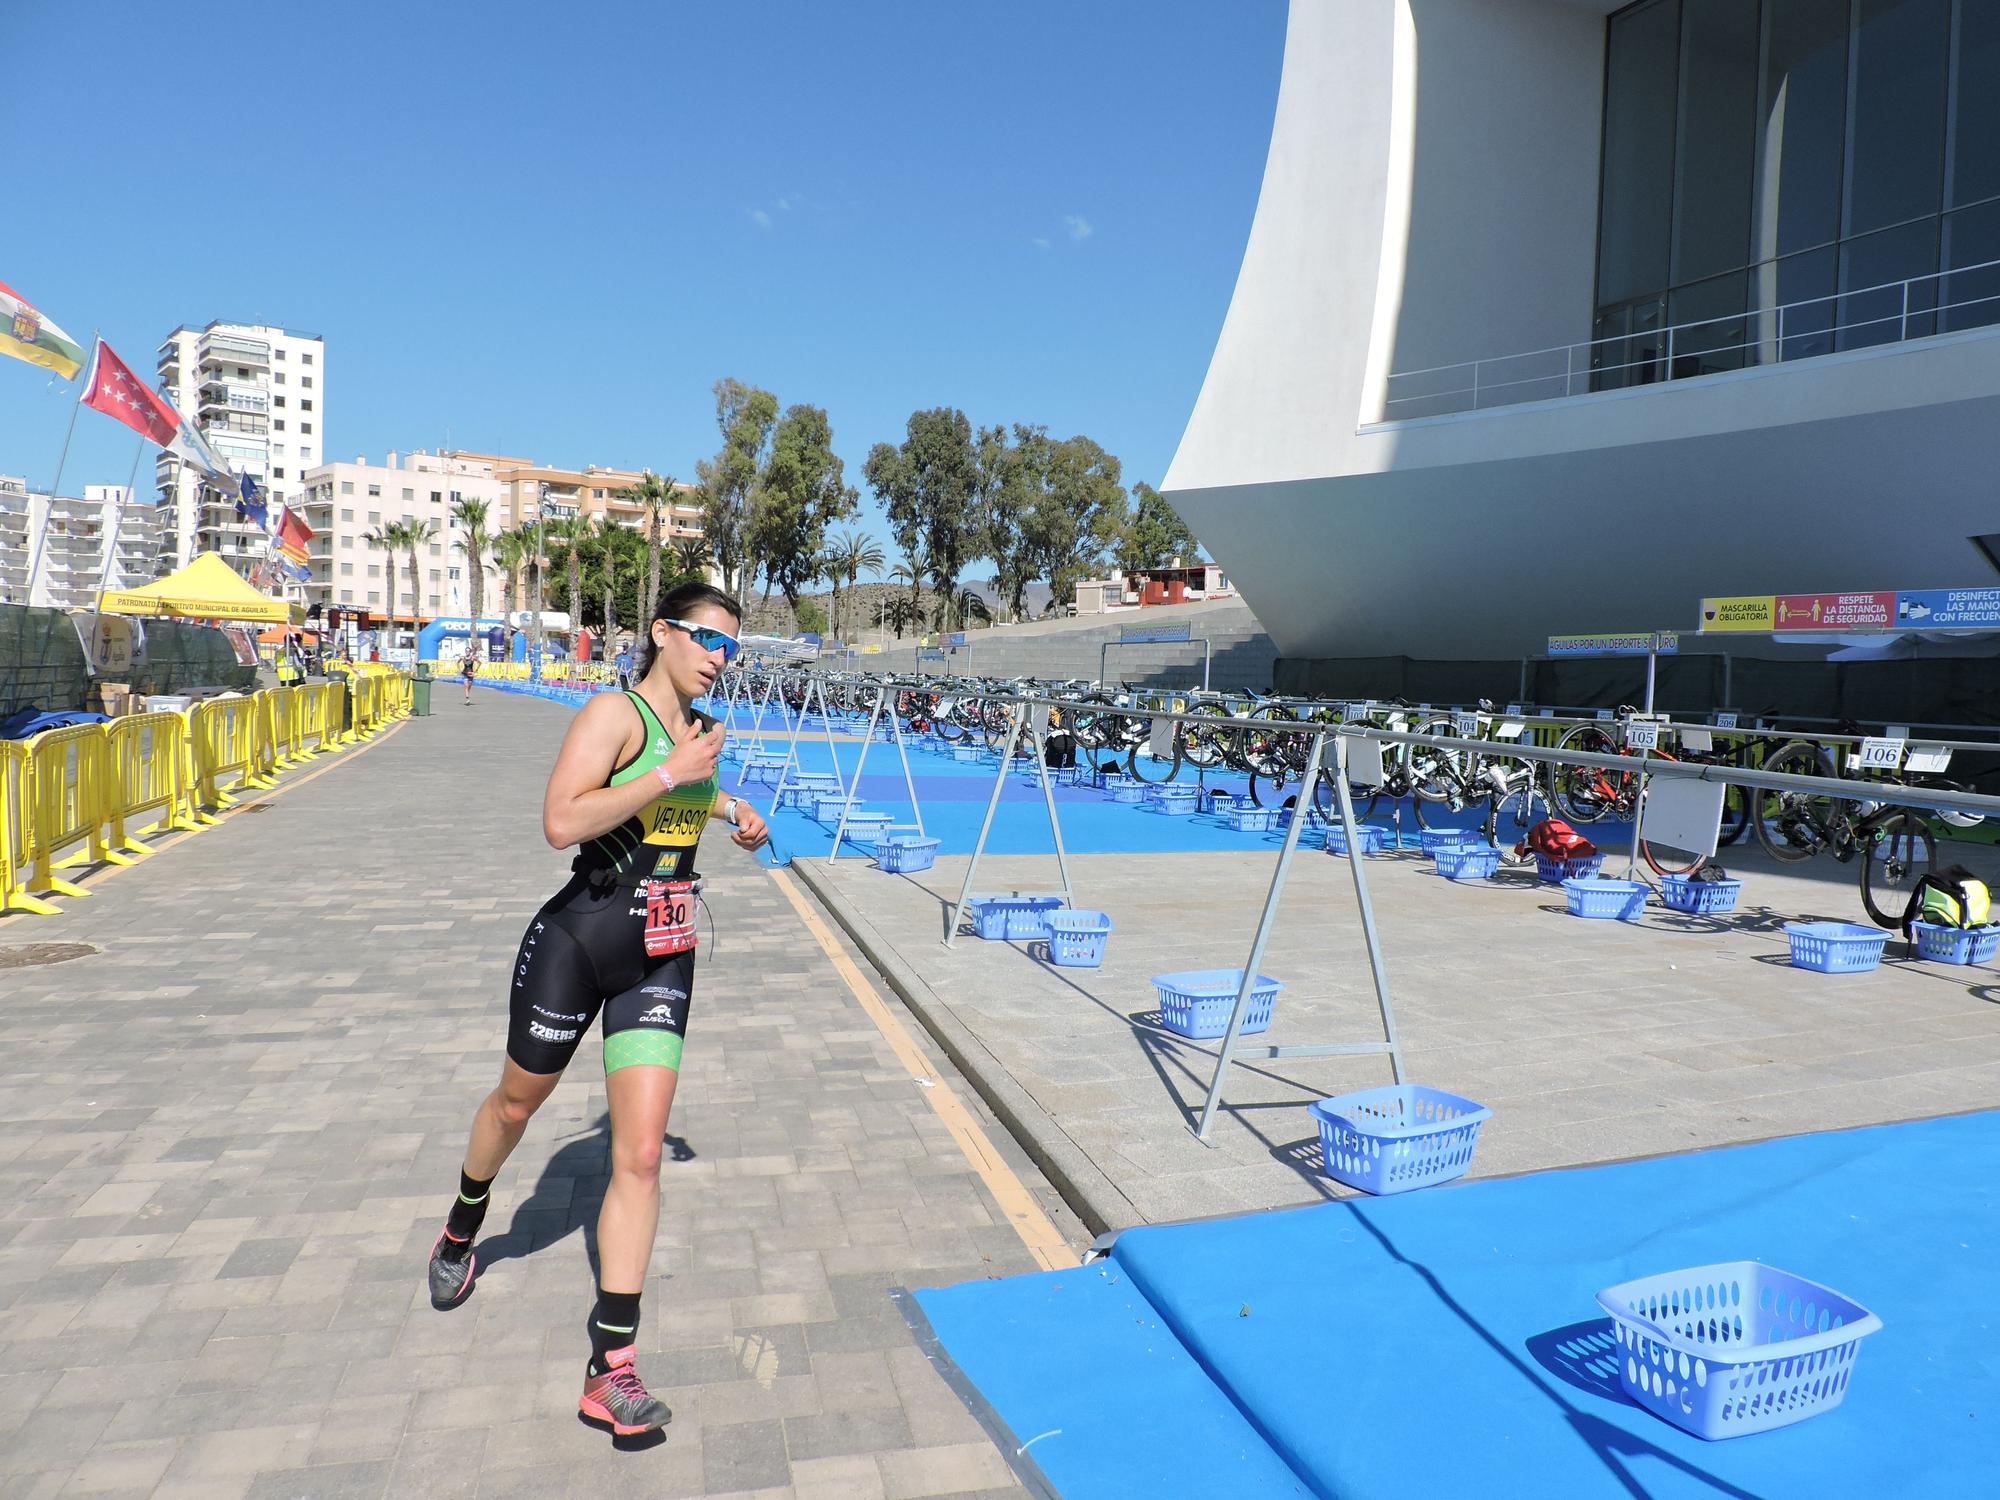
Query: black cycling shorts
[{"x": 585, "y": 951}]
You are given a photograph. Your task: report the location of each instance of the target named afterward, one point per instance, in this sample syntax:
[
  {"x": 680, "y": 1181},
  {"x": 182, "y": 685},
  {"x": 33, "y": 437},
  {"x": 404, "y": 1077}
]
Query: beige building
[{"x": 345, "y": 502}]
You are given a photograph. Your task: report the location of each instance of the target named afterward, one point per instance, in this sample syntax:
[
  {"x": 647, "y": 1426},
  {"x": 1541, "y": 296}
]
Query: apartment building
[
  {"x": 346, "y": 503},
  {"x": 534, "y": 490},
  {"x": 258, "y": 392},
  {"x": 79, "y": 529}
]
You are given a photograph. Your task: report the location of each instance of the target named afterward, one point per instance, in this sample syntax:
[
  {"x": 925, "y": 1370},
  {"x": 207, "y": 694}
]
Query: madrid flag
[
  {"x": 293, "y": 534},
  {"x": 26, "y": 334},
  {"x": 113, "y": 389}
]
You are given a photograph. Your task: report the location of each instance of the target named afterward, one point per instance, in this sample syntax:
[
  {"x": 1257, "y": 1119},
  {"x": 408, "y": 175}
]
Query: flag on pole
[
  {"x": 293, "y": 534},
  {"x": 26, "y": 334},
  {"x": 113, "y": 389},
  {"x": 192, "y": 448}
]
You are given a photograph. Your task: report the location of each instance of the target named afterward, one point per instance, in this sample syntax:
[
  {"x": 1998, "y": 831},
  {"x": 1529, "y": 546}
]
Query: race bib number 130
[{"x": 669, "y": 917}]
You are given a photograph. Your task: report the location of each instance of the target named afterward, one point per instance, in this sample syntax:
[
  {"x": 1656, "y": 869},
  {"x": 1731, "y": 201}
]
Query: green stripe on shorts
[{"x": 642, "y": 1048}]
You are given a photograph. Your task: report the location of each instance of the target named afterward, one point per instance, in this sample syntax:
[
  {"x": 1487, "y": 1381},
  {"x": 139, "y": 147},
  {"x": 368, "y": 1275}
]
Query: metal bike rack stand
[
  {"x": 992, "y": 804},
  {"x": 1207, "y": 655},
  {"x": 853, "y": 789},
  {"x": 757, "y": 745},
  {"x": 1231, "y": 1050},
  {"x": 813, "y": 686}
]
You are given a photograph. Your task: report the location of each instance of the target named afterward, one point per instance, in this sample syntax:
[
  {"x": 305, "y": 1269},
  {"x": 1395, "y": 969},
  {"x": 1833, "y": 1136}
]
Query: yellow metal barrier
[
  {"x": 69, "y": 777},
  {"x": 367, "y": 690},
  {"x": 223, "y": 737},
  {"x": 16, "y": 799},
  {"x": 147, "y": 763},
  {"x": 319, "y": 716}
]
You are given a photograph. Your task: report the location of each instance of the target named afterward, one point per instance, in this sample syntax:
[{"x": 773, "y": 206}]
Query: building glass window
[
  {"x": 1775, "y": 170},
  {"x": 347, "y": 570},
  {"x": 346, "y": 486},
  {"x": 376, "y": 490},
  {"x": 347, "y": 513}
]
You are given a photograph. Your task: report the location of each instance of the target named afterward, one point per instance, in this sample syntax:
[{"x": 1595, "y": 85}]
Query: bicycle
[
  {"x": 1588, "y": 794},
  {"x": 1894, "y": 843}
]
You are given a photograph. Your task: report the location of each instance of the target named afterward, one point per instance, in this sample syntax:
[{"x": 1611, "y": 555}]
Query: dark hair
[{"x": 674, "y": 605}]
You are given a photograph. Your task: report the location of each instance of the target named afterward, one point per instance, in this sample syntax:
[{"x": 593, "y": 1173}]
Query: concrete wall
[{"x": 1244, "y": 654}]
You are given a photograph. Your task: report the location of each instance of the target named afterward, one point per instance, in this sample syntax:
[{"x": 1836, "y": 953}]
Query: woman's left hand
[{"x": 750, "y": 832}]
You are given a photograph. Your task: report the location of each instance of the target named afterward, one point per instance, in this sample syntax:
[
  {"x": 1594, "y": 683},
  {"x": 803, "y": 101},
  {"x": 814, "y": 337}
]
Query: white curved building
[{"x": 1465, "y": 397}]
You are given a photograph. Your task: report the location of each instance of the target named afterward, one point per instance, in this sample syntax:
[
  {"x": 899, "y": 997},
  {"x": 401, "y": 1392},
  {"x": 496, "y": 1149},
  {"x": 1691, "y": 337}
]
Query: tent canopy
[{"x": 206, "y": 589}]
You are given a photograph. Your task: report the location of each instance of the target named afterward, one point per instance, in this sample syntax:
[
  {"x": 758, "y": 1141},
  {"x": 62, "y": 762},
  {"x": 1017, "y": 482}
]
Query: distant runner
[
  {"x": 632, "y": 788},
  {"x": 467, "y": 669}
]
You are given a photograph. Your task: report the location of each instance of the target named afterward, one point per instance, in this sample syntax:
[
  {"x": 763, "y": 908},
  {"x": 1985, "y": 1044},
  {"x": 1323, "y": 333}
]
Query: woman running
[
  {"x": 632, "y": 788},
  {"x": 468, "y": 669}
]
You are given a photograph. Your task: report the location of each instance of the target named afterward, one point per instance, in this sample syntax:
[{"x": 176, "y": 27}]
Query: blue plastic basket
[
  {"x": 1835, "y": 947},
  {"x": 1468, "y": 862},
  {"x": 1369, "y": 835},
  {"x": 1555, "y": 871},
  {"x": 765, "y": 768},
  {"x": 1726, "y": 1350},
  {"x": 1430, "y": 840},
  {"x": 1196, "y": 1003},
  {"x": 1956, "y": 945},
  {"x": 1085, "y": 774},
  {"x": 1251, "y": 819},
  {"x": 1221, "y": 802},
  {"x": 968, "y": 754},
  {"x": 1012, "y": 918},
  {"x": 863, "y": 827},
  {"x": 1077, "y": 938},
  {"x": 905, "y": 853},
  {"x": 1390, "y": 1140},
  {"x": 1699, "y": 897},
  {"x": 826, "y": 805},
  {"x": 1177, "y": 801},
  {"x": 1132, "y": 793},
  {"x": 1604, "y": 900}
]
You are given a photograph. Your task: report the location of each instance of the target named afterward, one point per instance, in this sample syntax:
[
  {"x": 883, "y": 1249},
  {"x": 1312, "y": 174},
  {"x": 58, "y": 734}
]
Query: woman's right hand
[{"x": 695, "y": 759}]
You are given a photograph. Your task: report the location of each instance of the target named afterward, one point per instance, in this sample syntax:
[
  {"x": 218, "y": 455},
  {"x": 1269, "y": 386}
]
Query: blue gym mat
[
  {"x": 954, "y": 797},
  {"x": 1447, "y": 1341}
]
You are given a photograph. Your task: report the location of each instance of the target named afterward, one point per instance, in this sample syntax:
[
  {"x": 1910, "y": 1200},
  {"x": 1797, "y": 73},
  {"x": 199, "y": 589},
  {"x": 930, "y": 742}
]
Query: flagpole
[
  {"x": 117, "y": 521},
  {"x": 42, "y": 531}
]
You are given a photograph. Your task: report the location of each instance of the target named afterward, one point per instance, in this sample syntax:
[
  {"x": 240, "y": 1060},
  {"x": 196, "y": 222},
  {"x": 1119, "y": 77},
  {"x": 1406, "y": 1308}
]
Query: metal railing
[{"x": 1896, "y": 312}]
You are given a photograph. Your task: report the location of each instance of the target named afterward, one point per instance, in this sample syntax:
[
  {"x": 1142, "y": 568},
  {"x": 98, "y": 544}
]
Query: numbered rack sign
[
  {"x": 1642, "y": 735},
  {"x": 1881, "y": 753},
  {"x": 1725, "y": 721},
  {"x": 1604, "y": 713},
  {"x": 1465, "y": 726}
]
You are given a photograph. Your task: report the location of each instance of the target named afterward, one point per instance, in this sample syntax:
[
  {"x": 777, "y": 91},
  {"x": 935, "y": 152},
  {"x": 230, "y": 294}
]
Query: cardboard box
[{"x": 115, "y": 698}]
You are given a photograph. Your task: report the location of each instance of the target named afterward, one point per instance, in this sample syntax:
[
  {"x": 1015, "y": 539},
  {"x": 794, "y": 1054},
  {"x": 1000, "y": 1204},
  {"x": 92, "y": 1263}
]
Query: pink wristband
[{"x": 666, "y": 777}]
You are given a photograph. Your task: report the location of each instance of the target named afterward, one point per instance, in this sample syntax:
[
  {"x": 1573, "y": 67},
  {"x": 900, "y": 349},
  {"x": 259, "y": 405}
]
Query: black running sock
[
  {"x": 468, "y": 1212},
  {"x": 614, "y": 1323}
]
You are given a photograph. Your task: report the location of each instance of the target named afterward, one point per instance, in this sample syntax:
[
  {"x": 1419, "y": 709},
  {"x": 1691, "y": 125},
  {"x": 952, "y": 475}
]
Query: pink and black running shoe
[
  {"x": 451, "y": 1275},
  {"x": 620, "y": 1400}
]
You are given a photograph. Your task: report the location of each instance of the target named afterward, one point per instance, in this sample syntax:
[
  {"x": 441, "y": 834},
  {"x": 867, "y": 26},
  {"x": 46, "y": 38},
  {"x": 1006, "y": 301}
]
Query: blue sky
[{"x": 548, "y": 230}]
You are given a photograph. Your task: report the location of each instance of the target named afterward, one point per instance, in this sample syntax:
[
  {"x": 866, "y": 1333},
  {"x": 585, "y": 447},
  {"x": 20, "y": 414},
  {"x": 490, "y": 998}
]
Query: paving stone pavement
[
  {"x": 228, "y": 1137},
  {"x": 1592, "y": 1041}
]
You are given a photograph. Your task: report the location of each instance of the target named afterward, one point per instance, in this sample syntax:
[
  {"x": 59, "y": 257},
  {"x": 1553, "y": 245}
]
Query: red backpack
[{"x": 1552, "y": 838}]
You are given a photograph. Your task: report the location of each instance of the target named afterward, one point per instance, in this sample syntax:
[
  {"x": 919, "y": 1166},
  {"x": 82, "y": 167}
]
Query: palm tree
[
  {"x": 510, "y": 554},
  {"x": 415, "y": 533},
  {"x": 691, "y": 557},
  {"x": 894, "y": 612},
  {"x": 854, "y": 552},
  {"x": 387, "y": 539},
  {"x": 571, "y": 535},
  {"x": 605, "y": 542},
  {"x": 655, "y": 494},
  {"x": 472, "y": 516}
]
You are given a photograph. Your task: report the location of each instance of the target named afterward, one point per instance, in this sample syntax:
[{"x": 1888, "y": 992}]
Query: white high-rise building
[
  {"x": 75, "y": 531},
  {"x": 258, "y": 393}
]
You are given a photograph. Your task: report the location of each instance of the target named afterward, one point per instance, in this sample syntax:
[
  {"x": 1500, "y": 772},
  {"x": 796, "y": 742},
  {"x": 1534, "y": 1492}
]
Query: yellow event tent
[{"x": 206, "y": 589}]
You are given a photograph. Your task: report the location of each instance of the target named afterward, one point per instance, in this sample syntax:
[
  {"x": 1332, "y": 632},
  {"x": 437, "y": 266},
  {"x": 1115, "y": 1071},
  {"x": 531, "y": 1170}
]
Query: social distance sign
[{"x": 1911, "y": 609}]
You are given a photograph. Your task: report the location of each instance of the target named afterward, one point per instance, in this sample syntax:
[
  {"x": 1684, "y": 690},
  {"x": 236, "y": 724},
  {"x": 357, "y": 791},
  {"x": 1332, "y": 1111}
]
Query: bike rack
[
  {"x": 1014, "y": 724},
  {"x": 1390, "y": 1045},
  {"x": 814, "y": 685},
  {"x": 853, "y": 789}
]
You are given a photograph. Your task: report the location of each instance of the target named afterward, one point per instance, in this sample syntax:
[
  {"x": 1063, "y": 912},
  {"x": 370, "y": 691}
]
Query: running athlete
[
  {"x": 467, "y": 669},
  {"x": 632, "y": 788}
]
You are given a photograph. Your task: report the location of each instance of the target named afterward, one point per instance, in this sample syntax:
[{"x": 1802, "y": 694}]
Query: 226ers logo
[{"x": 674, "y": 823}]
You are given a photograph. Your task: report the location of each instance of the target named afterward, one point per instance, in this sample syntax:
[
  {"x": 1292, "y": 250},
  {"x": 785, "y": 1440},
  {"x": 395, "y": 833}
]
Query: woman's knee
[
  {"x": 517, "y": 1100},
  {"x": 639, "y": 1158}
]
